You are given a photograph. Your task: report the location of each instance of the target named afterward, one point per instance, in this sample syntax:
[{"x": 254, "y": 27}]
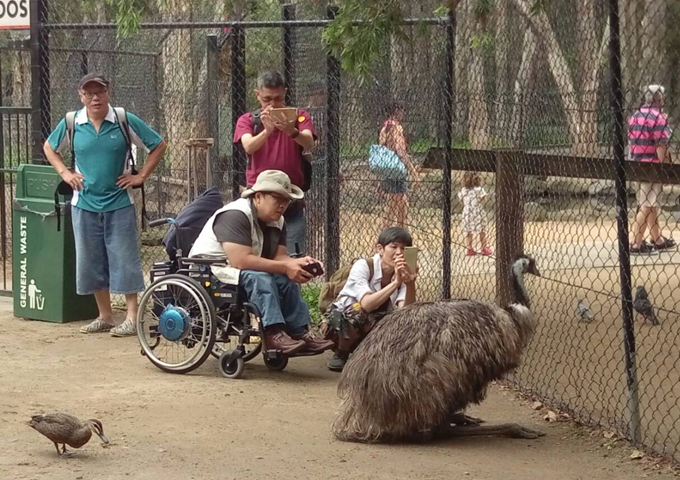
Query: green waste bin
[{"x": 44, "y": 259}]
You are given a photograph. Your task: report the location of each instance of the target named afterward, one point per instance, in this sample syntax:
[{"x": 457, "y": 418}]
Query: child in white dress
[{"x": 474, "y": 218}]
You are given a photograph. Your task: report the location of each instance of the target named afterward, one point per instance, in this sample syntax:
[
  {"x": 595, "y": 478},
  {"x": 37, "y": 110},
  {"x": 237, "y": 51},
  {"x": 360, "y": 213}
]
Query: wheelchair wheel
[
  {"x": 233, "y": 369},
  {"x": 176, "y": 324},
  {"x": 252, "y": 349},
  {"x": 232, "y": 341},
  {"x": 277, "y": 364}
]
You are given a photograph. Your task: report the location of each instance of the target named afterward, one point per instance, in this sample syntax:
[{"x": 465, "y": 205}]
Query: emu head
[{"x": 521, "y": 265}]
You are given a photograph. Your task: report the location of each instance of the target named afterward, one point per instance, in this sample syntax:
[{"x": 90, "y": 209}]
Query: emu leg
[
  {"x": 463, "y": 420},
  {"x": 511, "y": 430}
]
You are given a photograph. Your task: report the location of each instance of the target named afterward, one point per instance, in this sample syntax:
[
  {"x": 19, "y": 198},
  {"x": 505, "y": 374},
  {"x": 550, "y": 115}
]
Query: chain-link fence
[{"x": 515, "y": 117}]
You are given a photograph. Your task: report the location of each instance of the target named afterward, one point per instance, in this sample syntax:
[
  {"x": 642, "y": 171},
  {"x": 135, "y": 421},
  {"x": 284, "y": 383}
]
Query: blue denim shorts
[
  {"x": 107, "y": 251},
  {"x": 394, "y": 186}
]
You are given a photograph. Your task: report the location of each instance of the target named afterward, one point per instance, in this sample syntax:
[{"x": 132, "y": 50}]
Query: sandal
[
  {"x": 644, "y": 248},
  {"x": 665, "y": 244}
]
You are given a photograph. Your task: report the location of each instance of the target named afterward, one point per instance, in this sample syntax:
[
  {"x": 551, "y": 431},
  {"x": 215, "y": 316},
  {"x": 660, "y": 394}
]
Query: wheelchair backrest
[{"x": 190, "y": 221}]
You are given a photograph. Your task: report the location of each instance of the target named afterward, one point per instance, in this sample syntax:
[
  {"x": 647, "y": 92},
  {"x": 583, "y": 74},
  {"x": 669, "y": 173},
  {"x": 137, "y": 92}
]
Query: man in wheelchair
[{"x": 251, "y": 231}]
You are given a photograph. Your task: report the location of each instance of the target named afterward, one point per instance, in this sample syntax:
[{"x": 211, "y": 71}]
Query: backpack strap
[
  {"x": 70, "y": 120},
  {"x": 257, "y": 126},
  {"x": 121, "y": 116},
  {"x": 62, "y": 187},
  {"x": 369, "y": 262},
  {"x": 257, "y": 121}
]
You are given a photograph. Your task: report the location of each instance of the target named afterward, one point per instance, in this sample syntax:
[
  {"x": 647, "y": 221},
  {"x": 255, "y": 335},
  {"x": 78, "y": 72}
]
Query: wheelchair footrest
[{"x": 275, "y": 354}]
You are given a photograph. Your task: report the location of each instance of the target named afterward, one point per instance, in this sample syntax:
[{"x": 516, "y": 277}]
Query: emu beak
[
  {"x": 103, "y": 437},
  {"x": 535, "y": 271}
]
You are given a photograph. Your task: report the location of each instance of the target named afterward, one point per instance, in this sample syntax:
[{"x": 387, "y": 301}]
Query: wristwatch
[{"x": 295, "y": 134}]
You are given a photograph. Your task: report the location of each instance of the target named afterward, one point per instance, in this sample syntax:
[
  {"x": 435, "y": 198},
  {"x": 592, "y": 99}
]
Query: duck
[{"x": 67, "y": 430}]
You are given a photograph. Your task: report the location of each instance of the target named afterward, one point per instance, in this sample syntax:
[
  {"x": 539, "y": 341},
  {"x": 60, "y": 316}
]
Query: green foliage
[
  {"x": 128, "y": 15},
  {"x": 483, "y": 9},
  {"x": 484, "y": 42},
  {"x": 539, "y": 6},
  {"x": 441, "y": 11},
  {"x": 310, "y": 294},
  {"x": 358, "y": 35}
]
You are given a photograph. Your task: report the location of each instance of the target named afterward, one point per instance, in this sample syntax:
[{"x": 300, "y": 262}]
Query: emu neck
[{"x": 521, "y": 295}]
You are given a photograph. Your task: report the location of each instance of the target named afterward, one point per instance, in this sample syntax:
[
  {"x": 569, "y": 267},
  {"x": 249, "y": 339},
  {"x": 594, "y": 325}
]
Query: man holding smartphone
[
  {"x": 252, "y": 232},
  {"x": 275, "y": 143}
]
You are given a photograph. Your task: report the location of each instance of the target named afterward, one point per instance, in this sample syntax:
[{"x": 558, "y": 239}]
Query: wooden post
[{"x": 509, "y": 221}]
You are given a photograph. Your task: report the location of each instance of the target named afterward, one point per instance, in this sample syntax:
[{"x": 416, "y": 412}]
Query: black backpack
[
  {"x": 64, "y": 188},
  {"x": 305, "y": 157}
]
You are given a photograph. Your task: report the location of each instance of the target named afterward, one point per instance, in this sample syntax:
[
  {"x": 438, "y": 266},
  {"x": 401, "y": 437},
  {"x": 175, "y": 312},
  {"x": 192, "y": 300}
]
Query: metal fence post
[
  {"x": 84, "y": 67},
  {"x": 616, "y": 99},
  {"x": 289, "y": 54},
  {"x": 332, "y": 224},
  {"x": 213, "y": 103},
  {"x": 40, "y": 79},
  {"x": 238, "y": 104},
  {"x": 448, "y": 144}
]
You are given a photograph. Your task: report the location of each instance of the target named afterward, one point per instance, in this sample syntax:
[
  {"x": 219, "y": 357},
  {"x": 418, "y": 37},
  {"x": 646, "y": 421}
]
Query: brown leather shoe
[
  {"x": 314, "y": 344},
  {"x": 279, "y": 340}
]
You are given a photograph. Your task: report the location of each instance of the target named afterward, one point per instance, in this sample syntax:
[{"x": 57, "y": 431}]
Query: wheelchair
[{"x": 187, "y": 314}]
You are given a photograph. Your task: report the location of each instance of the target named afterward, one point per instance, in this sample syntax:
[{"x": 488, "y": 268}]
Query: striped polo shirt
[{"x": 647, "y": 129}]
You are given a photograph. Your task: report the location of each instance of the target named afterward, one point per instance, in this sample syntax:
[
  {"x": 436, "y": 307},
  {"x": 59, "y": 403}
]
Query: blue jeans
[
  {"x": 107, "y": 252},
  {"x": 278, "y": 298},
  {"x": 296, "y": 226}
]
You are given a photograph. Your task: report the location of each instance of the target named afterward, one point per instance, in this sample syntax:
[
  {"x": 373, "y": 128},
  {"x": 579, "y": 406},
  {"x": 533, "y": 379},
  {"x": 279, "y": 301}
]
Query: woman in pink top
[{"x": 392, "y": 136}]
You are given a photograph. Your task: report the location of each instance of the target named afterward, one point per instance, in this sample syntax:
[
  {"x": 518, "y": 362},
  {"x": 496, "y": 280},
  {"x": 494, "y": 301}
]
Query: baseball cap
[{"x": 93, "y": 77}]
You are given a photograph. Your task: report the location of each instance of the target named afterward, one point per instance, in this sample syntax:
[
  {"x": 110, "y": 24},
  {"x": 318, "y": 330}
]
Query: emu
[{"x": 413, "y": 376}]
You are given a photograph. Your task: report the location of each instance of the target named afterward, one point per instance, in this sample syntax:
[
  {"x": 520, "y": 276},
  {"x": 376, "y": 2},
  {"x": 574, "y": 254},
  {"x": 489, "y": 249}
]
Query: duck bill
[{"x": 104, "y": 439}]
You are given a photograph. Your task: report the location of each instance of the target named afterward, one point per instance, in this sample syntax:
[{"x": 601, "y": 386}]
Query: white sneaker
[
  {"x": 97, "y": 326},
  {"x": 125, "y": 329}
]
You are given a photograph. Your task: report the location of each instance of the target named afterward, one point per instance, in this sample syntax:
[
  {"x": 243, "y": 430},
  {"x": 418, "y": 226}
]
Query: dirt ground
[{"x": 266, "y": 424}]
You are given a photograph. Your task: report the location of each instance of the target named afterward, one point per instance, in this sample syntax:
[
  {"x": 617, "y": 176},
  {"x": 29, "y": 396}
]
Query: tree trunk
[
  {"x": 460, "y": 87},
  {"x": 559, "y": 68},
  {"x": 478, "y": 113},
  {"x": 653, "y": 43},
  {"x": 630, "y": 12},
  {"x": 21, "y": 79},
  {"x": 590, "y": 95},
  {"x": 521, "y": 86},
  {"x": 176, "y": 65},
  {"x": 503, "y": 80}
]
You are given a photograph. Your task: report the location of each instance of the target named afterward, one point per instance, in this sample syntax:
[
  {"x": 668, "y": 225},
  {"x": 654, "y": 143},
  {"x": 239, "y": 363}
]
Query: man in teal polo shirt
[{"x": 103, "y": 214}]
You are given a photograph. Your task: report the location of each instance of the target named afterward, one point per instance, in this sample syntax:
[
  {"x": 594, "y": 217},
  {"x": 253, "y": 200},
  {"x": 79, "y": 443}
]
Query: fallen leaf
[
  {"x": 636, "y": 455},
  {"x": 550, "y": 416},
  {"x": 609, "y": 434},
  {"x": 536, "y": 405}
]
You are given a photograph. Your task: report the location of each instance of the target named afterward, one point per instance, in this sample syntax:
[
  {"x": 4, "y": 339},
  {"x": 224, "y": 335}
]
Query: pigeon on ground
[
  {"x": 583, "y": 311},
  {"x": 644, "y": 306}
]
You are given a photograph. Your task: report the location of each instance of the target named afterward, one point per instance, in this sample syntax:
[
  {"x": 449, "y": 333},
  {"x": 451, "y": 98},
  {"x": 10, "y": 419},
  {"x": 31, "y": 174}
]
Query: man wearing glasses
[
  {"x": 252, "y": 233},
  {"x": 103, "y": 214}
]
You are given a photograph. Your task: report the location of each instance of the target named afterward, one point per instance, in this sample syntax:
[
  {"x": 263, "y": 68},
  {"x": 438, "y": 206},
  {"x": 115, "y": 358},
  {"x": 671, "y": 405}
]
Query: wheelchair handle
[{"x": 161, "y": 221}]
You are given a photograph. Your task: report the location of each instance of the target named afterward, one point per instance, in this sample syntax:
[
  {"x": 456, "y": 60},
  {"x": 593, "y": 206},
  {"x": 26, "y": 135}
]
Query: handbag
[{"x": 386, "y": 163}]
